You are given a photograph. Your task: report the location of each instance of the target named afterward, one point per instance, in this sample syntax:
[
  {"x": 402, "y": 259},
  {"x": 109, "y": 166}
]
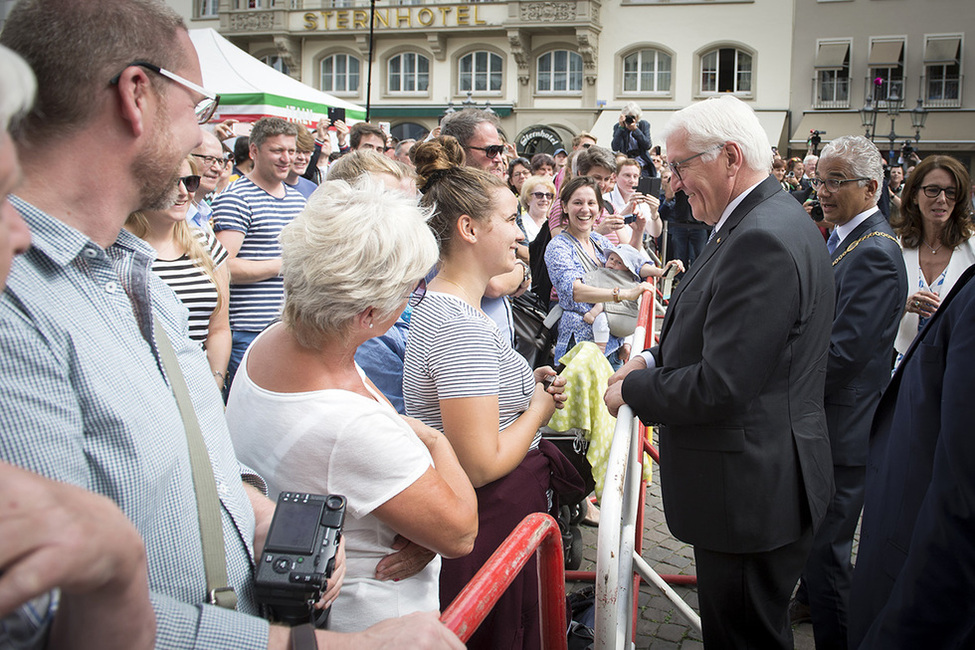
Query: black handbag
[{"x": 534, "y": 331}]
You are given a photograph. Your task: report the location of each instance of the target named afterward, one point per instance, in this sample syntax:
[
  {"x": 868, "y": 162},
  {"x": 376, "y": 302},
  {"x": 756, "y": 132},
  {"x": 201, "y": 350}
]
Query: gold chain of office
[{"x": 849, "y": 248}]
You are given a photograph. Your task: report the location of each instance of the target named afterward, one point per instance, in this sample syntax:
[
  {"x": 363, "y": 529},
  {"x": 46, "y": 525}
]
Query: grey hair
[
  {"x": 720, "y": 120},
  {"x": 862, "y": 156},
  {"x": 632, "y": 108},
  {"x": 17, "y": 86},
  {"x": 353, "y": 247},
  {"x": 810, "y": 158},
  {"x": 595, "y": 156},
  {"x": 462, "y": 124}
]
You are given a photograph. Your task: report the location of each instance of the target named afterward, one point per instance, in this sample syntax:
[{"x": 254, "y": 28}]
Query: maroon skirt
[{"x": 501, "y": 506}]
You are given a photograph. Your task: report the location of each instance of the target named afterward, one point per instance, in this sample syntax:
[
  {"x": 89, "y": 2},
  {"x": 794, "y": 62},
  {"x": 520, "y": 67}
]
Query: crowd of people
[{"x": 340, "y": 322}]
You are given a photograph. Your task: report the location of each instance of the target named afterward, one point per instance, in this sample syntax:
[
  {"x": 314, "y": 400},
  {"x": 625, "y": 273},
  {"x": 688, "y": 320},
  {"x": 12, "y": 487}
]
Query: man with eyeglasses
[
  {"x": 736, "y": 383},
  {"x": 83, "y": 396},
  {"x": 211, "y": 161},
  {"x": 871, "y": 287}
]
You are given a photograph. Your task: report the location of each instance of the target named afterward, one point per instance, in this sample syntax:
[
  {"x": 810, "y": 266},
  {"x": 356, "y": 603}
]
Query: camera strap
[{"x": 205, "y": 486}]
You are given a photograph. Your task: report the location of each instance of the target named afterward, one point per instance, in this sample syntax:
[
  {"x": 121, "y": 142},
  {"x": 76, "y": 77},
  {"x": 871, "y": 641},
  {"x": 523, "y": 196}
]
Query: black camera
[
  {"x": 299, "y": 556},
  {"x": 817, "y": 211},
  {"x": 907, "y": 149},
  {"x": 630, "y": 119}
]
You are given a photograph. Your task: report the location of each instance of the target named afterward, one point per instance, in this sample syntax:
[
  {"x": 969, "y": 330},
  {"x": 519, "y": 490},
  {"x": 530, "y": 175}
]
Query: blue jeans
[
  {"x": 686, "y": 243},
  {"x": 241, "y": 341}
]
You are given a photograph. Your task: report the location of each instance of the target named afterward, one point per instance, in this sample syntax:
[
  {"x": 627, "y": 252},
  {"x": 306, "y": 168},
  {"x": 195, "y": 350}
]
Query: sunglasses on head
[{"x": 191, "y": 183}]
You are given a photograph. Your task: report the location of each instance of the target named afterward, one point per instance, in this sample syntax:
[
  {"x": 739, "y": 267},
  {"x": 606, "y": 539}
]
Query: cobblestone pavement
[{"x": 660, "y": 626}]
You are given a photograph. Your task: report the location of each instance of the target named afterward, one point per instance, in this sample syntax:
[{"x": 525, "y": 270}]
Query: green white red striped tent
[{"x": 250, "y": 90}]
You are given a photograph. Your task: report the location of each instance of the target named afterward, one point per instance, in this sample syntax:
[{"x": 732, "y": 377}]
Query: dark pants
[
  {"x": 744, "y": 597},
  {"x": 686, "y": 242},
  {"x": 828, "y": 575}
]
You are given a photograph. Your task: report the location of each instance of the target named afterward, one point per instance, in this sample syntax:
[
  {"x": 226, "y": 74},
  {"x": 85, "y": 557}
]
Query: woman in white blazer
[{"x": 935, "y": 230}]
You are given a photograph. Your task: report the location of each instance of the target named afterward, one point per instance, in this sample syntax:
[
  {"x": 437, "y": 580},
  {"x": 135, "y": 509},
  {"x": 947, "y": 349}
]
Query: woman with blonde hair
[
  {"x": 463, "y": 377},
  {"x": 304, "y": 415},
  {"x": 193, "y": 263}
]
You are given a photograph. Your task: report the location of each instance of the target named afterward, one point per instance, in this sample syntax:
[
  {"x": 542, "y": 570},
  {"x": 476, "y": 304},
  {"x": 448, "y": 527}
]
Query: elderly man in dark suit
[
  {"x": 914, "y": 583},
  {"x": 871, "y": 287},
  {"x": 737, "y": 381}
]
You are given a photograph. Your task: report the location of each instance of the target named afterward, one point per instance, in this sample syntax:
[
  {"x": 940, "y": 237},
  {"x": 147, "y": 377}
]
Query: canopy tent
[{"x": 250, "y": 89}]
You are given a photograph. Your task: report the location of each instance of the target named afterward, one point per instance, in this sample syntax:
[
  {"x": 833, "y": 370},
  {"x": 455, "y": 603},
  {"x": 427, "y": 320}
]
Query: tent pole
[{"x": 372, "y": 45}]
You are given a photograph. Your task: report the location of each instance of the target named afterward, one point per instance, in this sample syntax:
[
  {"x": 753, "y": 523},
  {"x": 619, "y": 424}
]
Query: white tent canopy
[{"x": 249, "y": 89}]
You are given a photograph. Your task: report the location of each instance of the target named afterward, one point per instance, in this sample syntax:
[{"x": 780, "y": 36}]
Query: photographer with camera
[{"x": 631, "y": 136}]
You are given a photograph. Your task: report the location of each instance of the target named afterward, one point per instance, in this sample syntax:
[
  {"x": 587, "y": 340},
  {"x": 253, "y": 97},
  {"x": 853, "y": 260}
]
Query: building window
[
  {"x": 208, "y": 8},
  {"x": 832, "y": 88},
  {"x": 480, "y": 72},
  {"x": 340, "y": 74},
  {"x": 409, "y": 73},
  {"x": 726, "y": 70},
  {"x": 942, "y": 72},
  {"x": 647, "y": 71},
  {"x": 275, "y": 62},
  {"x": 886, "y": 79},
  {"x": 559, "y": 72}
]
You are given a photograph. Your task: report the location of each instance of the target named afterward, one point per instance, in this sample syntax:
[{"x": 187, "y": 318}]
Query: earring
[{"x": 370, "y": 325}]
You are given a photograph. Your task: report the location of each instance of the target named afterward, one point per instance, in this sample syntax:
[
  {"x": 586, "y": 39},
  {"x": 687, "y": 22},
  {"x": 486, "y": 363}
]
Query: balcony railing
[
  {"x": 941, "y": 92},
  {"x": 831, "y": 93}
]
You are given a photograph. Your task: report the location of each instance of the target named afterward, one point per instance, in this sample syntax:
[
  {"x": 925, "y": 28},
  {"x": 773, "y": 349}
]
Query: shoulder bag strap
[{"x": 207, "y": 501}]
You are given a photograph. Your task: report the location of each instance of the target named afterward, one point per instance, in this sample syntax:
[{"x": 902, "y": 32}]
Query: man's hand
[
  {"x": 613, "y": 397},
  {"x": 335, "y": 580},
  {"x": 58, "y": 535},
  {"x": 418, "y": 631},
  {"x": 409, "y": 559},
  {"x": 224, "y": 130}
]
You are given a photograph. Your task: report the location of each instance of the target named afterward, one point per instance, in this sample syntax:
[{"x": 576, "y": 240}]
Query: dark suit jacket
[
  {"x": 738, "y": 387},
  {"x": 914, "y": 584},
  {"x": 871, "y": 288}
]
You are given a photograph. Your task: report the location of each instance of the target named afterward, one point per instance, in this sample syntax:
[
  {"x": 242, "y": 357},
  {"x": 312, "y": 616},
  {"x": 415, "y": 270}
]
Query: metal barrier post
[{"x": 539, "y": 532}]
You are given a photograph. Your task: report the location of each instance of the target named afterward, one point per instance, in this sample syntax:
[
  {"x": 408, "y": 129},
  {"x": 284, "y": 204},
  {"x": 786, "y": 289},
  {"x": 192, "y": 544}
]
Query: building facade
[
  {"x": 549, "y": 68},
  {"x": 900, "y": 59}
]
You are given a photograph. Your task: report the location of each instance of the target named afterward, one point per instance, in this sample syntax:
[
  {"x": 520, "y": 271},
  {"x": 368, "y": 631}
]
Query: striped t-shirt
[
  {"x": 247, "y": 208},
  {"x": 192, "y": 285},
  {"x": 455, "y": 351}
]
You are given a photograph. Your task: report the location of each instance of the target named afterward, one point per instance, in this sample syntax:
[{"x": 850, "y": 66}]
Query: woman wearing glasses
[
  {"x": 304, "y": 415},
  {"x": 537, "y": 194},
  {"x": 462, "y": 376},
  {"x": 193, "y": 263},
  {"x": 935, "y": 230}
]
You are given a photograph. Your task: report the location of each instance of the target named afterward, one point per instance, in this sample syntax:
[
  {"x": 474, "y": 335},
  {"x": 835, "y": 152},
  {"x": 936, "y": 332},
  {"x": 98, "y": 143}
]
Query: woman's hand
[
  {"x": 634, "y": 293},
  {"x": 923, "y": 303},
  {"x": 610, "y": 224},
  {"x": 409, "y": 559}
]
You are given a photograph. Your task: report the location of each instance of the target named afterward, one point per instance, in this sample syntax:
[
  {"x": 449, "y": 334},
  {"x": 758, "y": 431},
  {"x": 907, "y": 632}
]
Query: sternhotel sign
[{"x": 395, "y": 17}]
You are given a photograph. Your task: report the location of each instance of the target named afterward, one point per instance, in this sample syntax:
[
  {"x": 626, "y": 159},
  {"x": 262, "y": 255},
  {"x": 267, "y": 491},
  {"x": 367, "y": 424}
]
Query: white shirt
[{"x": 851, "y": 225}]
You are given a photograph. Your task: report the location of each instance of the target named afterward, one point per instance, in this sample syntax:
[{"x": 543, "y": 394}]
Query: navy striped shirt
[{"x": 248, "y": 209}]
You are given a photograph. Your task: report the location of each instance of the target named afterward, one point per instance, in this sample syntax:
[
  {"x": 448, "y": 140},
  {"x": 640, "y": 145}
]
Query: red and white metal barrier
[{"x": 536, "y": 532}]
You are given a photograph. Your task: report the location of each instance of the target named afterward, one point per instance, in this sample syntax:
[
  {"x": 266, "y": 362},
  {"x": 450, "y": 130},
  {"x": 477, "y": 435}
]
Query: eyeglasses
[
  {"x": 211, "y": 161},
  {"x": 491, "y": 151},
  {"x": 205, "y": 108},
  {"x": 417, "y": 294},
  {"x": 191, "y": 183},
  {"x": 933, "y": 191},
  {"x": 834, "y": 184},
  {"x": 543, "y": 195},
  {"x": 675, "y": 166},
  {"x": 521, "y": 173}
]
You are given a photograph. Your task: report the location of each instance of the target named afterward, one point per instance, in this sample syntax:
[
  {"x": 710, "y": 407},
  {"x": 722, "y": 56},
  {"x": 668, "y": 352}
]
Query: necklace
[
  {"x": 462, "y": 290},
  {"x": 934, "y": 251}
]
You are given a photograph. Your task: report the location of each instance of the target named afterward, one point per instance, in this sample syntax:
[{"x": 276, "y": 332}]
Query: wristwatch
[
  {"x": 527, "y": 269},
  {"x": 616, "y": 294},
  {"x": 303, "y": 637}
]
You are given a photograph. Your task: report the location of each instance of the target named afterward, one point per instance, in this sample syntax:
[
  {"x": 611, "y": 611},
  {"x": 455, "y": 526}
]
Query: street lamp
[{"x": 894, "y": 105}]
